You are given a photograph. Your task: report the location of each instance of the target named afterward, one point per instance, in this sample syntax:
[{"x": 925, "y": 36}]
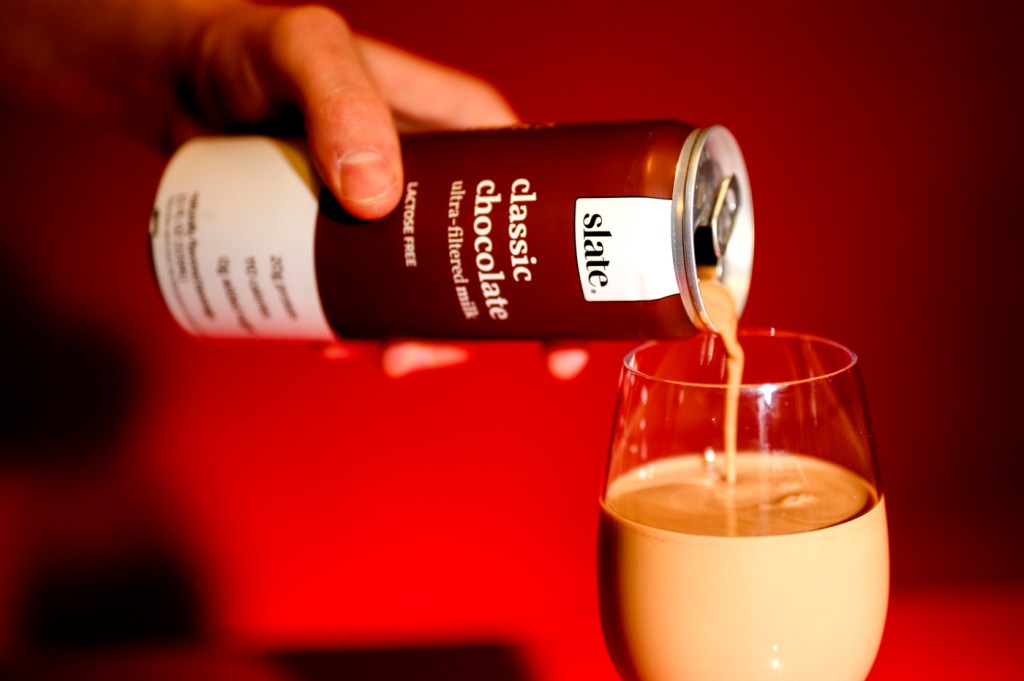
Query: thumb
[{"x": 352, "y": 137}]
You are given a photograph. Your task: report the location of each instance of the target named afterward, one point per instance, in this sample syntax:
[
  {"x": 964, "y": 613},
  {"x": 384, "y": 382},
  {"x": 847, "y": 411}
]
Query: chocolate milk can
[{"x": 578, "y": 231}]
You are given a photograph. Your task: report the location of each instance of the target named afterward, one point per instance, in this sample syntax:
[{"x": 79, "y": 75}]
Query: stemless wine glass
[{"x": 769, "y": 562}]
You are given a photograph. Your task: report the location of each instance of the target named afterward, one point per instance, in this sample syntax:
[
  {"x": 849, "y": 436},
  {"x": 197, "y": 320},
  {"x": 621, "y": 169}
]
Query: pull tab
[
  {"x": 723, "y": 215},
  {"x": 711, "y": 238}
]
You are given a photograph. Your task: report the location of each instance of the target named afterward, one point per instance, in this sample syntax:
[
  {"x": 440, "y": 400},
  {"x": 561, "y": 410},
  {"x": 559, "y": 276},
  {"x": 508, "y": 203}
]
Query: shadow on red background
[{"x": 160, "y": 491}]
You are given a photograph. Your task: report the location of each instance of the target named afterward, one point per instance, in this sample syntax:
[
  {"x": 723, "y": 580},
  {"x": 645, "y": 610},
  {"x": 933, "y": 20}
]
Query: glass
[{"x": 768, "y": 563}]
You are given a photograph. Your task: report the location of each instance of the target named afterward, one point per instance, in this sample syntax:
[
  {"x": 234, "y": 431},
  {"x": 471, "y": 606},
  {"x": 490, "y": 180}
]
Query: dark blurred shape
[
  {"x": 142, "y": 595},
  {"x": 66, "y": 389},
  {"x": 469, "y": 662},
  {"x": 144, "y": 664}
]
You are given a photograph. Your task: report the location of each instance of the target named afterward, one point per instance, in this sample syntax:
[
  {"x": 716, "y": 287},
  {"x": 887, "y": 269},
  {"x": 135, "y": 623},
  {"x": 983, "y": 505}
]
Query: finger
[
  {"x": 408, "y": 357},
  {"x": 426, "y": 95},
  {"x": 351, "y": 132},
  {"x": 336, "y": 351},
  {"x": 566, "y": 363}
]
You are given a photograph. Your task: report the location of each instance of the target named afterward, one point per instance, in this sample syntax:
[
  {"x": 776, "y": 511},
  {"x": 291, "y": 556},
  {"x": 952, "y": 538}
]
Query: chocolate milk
[
  {"x": 587, "y": 231},
  {"x": 701, "y": 584}
]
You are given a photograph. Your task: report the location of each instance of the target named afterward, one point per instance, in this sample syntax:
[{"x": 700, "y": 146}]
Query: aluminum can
[{"x": 569, "y": 231}]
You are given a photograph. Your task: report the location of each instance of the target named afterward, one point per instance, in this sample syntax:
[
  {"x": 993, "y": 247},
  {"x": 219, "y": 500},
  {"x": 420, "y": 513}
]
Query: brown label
[{"x": 483, "y": 244}]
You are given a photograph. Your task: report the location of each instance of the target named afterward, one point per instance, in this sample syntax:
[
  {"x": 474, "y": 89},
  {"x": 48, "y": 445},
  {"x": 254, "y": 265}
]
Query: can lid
[{"x": 712, "y": 220}]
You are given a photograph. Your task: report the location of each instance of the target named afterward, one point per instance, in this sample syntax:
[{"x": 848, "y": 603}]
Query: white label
[
  {"x": 232, "y": 237},
  {"x": 624, "y": 248}
]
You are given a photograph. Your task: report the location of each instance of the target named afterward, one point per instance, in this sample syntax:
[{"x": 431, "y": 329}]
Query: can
[{"x": 567, "y": 231}]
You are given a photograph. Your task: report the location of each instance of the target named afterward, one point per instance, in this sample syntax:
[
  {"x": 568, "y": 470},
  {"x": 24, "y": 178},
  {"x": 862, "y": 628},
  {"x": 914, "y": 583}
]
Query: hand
[
  {"x": 249, "y": 61},
  {"x": 172, "y": 69},
  {"x": 314, "y": 59}
]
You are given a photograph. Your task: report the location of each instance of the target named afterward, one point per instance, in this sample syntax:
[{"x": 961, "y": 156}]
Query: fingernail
[{"x": 365, "y": 176}]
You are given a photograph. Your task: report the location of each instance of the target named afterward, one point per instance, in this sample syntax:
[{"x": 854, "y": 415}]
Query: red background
[{"x": 211, "y": 497}]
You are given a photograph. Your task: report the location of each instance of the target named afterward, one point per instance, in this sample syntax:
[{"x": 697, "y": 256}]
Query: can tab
[{"x": 717, "y": 218}]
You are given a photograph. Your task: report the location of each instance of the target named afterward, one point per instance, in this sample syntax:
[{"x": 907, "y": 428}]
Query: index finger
[{"x": 352, "y": 136}]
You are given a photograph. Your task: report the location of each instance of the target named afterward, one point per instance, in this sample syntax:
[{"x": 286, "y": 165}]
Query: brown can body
[{"x": 494, "y": 238}]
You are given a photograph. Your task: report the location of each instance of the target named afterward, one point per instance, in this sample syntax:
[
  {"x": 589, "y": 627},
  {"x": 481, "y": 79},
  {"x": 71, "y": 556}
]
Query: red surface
[
  {"x": 157, "y": 489},
  {"x": 937, "y": 635}
]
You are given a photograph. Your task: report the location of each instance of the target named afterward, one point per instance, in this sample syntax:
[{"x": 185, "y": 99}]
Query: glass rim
[{"x": 851, "y": 360}]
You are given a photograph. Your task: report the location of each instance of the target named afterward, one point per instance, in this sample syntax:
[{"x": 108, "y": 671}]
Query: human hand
[
  {"x": 354, "y": 92},
  {"x": 173, "y": 69},
  {"x": 349, "y": 112}
]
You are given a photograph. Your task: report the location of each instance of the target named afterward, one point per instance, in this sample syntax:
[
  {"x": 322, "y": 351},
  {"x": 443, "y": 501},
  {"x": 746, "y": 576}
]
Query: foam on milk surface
[{"x": 772, "y": 494}]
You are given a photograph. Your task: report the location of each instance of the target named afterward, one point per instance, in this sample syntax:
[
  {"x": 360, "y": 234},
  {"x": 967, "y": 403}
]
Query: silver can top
[{"x": 713, "y": 220}]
